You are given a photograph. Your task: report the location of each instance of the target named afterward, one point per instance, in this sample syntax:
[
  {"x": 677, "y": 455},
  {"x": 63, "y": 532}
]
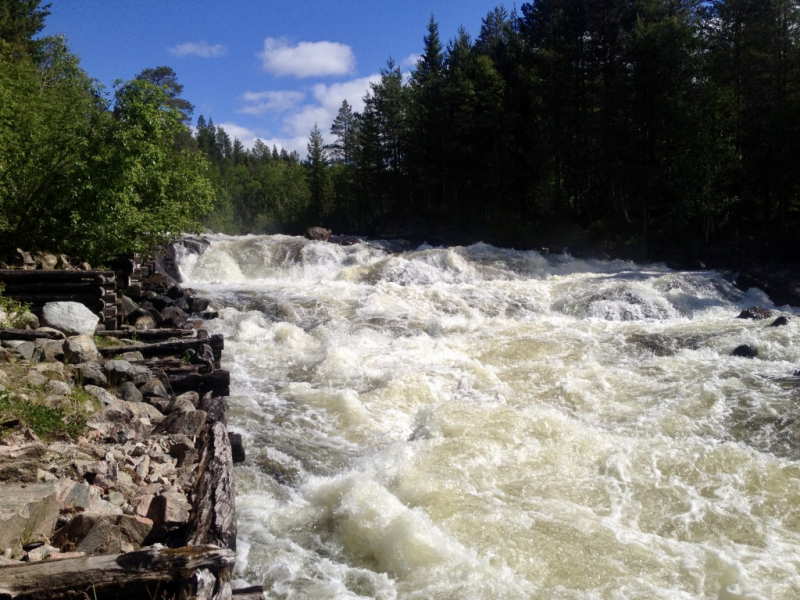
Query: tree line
[
  {"x": 641, "y": 121},
  {"x": 83, "y": 172}
]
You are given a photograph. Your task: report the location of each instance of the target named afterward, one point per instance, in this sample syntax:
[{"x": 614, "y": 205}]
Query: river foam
[{"x": 478, "y": 422}]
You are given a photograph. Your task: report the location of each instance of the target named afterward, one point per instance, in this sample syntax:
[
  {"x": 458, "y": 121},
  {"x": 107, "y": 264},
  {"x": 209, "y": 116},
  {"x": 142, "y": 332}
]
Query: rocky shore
[{"x": 115, "y": 460}]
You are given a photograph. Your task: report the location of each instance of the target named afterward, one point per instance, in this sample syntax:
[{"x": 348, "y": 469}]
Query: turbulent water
[{"x": 481, "y": 423}]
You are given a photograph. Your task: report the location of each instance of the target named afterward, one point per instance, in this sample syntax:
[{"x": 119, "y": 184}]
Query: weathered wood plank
[
  {"x": 29, "y": 335},
  {"x": 132, "y": 576},
  {"x": 169, "y": 348}
]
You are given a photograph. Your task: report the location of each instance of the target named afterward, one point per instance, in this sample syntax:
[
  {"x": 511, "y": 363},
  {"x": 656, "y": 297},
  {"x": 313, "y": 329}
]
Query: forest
[
  {"x": 639, "y": 122},
  {"x": 633, "y": 123}
]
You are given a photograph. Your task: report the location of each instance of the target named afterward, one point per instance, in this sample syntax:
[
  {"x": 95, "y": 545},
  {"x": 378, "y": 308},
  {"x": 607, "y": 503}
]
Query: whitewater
[{"x": 480, "y": 423}]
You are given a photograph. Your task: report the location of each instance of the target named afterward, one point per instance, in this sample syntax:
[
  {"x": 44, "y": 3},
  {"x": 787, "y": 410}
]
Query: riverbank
[{"x": 116, "y": 462}]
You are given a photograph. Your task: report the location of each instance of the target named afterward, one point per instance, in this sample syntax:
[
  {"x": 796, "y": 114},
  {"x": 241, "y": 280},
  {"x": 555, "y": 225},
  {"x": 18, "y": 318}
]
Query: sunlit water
[{"x": 475, "y": 422}]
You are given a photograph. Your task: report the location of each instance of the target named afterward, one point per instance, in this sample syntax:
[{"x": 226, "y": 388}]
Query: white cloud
[
  {"x": 259, "y": 103},
  {"x": 247, "y": 136},
  {"x": 306, "y": 59},
  {"x": 201, "y": 49},
  {"x": 410, "y": 61}
]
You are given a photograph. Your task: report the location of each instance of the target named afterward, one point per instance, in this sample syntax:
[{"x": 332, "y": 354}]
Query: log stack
[{"x": 96, "y": 290}]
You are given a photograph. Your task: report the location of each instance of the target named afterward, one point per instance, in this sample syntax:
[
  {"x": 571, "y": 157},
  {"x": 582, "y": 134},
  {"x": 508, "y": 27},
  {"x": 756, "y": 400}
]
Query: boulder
[
  {"x": 73, "y": 496},
  {"x": 755, "y": 312},
  {"x": 119, "y": 371},
  {"x": 91, "y": 373},
  {"x": 72, "y": 318},
  {"x": 103, "y": 395},
  {"x": 59, "y": 388},
  {"x": 188, "y": 424},
  {"x": 154, "y": 387},
  {"x": 128, "y": 305},
  {"x": 57, "y": 401},
  {"x": 80, "y": 349},
  {"x": 779, "y": 322},
  {"x": 318, "y": 233},
  {"x": 169, "y": 512},
  {"x": 745, "y": 351},
  {"x": 26, "y": 508},
  {"x": 20, "y": 456},
  {"x": 28, "y": 351},
  {"x": 130, "y": 392},
  {"x": 103, "y": 534}
]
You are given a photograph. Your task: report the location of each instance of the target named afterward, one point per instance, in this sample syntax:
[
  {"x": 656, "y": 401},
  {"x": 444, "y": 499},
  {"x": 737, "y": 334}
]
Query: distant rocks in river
[
  {"x": 755, "y": 312},
  {"x": 318, "y": 234},
  {"x": 745, "y": 351},
  {"x": 780, "y": 321}
]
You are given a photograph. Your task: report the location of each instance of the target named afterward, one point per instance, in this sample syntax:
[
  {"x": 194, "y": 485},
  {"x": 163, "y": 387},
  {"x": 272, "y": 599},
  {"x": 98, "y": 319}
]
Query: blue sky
[{"x": 260, "y": 69}]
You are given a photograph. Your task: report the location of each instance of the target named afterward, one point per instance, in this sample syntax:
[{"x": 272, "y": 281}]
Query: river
[{"x": 482, "y": 423}]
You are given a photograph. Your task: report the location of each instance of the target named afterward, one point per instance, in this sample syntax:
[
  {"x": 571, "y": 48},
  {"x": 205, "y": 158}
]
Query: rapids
[{"x": 481, "y": 423}]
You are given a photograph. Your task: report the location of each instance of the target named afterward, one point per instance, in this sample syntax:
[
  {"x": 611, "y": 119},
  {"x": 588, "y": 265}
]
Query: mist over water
[{"x": 481, "y": 423}]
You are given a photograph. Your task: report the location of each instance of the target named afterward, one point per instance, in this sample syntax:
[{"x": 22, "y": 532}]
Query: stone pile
[{"x": 153, "y": 468}]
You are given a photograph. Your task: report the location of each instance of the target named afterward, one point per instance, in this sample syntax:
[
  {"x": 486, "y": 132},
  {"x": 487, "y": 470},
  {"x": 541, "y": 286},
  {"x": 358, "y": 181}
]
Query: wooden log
[
  {"x": 55, "y": 287},
  {"x": 150, "y": 335},
  {"x": 169, "y": 348},
  {"x": 130, "y": 576},
  {"x": 9, "y": 276},
  {"x": 93, "y": 303},
  {"x": 29, "y": 335},
  {"x": 214, "y": 519},
  {"x": 255, "y": 592},
  {"x": 218, "y": 382}
]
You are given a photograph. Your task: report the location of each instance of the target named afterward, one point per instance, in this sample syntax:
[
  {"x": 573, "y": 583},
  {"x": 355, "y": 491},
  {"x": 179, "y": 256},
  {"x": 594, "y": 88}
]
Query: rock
[
  {"x": 188, "y": 424},
  {"x": 237, "y": 447},
  {"x": 781, "y": 284},
  {"x": 745, "y": 351},
  {"x": 120, "y": 422},
  {"x": 181, "y": 404},
  {"x": 29, "y": 508},
  {"x": 80, "y": 349},
  {"x": 5, "y": 355},
  {"x": 35, "y": 379},
  {"x": 48, "y": 262},
  {"x": 144, "y": 323},
  {"x": 318, "y": 233},
  {"x": 53, "y": 349},
  {"x": 57, "y": 401},
  {"x": 50, "y": 367},
  {"x": 169, "y": 513},
  {"x": 154, "y": 387},
  {"x": 198, "y": 305},
  {"x": 755, "y": 312},
  {"x": 119, "y": 371},
  {"x": 30, "y": 320},
  {"x": 72, "y": 318},
  {"x": 130, "y": 392},
  {"x": 102, "y": 533},
  {"x": 103, "y": 396},
  {"x": 59, "y": 388},
  {"x": 128, "y": 305},
  {"x": 779, "y": 322},
  {"x": 82, "y": 496},
  {"x": 20, "y": 456},
  {"x": 91, "y": 373},
  {"x": 28, "y": 351}
]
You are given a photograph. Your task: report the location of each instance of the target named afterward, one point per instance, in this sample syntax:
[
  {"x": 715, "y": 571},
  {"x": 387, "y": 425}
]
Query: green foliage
[
  {"x": 78, "y": 178},
  {"x": 43, "y": 420},
  {"x": 11, "y": 311}
]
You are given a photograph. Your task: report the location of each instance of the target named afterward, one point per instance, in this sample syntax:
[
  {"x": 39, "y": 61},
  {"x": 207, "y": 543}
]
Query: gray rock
[
  {"x": 72, "y": 318},
  {"x": 102, "y": 534},
  {"x": 192, "y": 397},
  {"x": 80, "y": 349},
  {"x": 59, "y": 387},
  {"x": 103, "y": 396},
  {"x": 130, "y": 392},
  {"x": 188, "y": 424},
  {"x": 128, "y": 305},
  {"x": 35, "y": 378},
  {"x": 20, "y": 456},
  {"x": 745, "y": 351},
  {"x": 28, "y": 351},
  {"x": 72, "y": 495},
  {"x": 181, "y": 404},
  {"x": 154, "y": 387},
  {"x": 169, "y": 512},
  {"x": 30, "y": 320},
  {"x": 91, "y": 373},
  {"x": 119, "y": 371},
  {"x": 57, "y": 401},
  {"x": 30, "y": 508}
]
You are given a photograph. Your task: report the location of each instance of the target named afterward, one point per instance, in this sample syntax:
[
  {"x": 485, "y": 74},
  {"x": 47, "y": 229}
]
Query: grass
[{"x": 45, "y": 422}]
